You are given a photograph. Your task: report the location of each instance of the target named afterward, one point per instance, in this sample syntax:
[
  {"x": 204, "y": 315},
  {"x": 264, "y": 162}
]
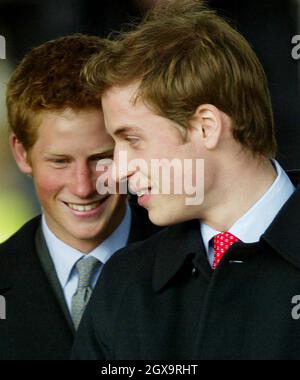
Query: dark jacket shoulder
[
  {"x": 17, "y": 248},
  {"x": 22, "y": 235},
  {"x": 31, "y": 303}
]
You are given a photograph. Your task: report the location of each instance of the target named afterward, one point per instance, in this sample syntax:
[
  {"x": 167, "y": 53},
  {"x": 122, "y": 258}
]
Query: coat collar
[
  {"x": 283, "y": 234},
  {"x": 20, "y": 248},
  {"x": 182, "y": 242}
]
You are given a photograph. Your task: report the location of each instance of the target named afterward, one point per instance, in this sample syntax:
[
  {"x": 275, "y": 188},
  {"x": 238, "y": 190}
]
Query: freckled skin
[{"x": 63, "y": 165}]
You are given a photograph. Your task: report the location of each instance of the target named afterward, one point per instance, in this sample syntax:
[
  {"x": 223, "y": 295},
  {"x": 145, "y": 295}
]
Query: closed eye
[
  {"x": 132, "y": 140},
  {"x": 59, "y": 162}
]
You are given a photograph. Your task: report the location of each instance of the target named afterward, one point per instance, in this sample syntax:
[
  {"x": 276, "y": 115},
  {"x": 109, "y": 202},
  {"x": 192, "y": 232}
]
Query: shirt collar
[
  {"x": 181, "y": 244},
  {"x": 183, "y": 241},
  {"x": 252, "y": 225},
  {"x": 65, "y": 257}
]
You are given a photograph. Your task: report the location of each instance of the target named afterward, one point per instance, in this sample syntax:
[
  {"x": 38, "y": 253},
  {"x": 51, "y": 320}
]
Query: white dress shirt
[
  {"x": 252, "y": 225},
  {"x": 65, "y": 257}
]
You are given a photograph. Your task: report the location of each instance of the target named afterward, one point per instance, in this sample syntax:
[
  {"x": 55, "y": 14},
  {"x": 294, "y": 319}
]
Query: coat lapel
[{"x": 49, "y": 269}]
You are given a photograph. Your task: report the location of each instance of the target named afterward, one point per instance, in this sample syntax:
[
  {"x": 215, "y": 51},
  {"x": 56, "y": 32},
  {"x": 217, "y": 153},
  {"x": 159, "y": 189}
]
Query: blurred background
[{"x": 268, "y": 25}]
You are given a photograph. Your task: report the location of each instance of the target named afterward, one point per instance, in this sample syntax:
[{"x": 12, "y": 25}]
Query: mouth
[{"x": 88, "y": 207}]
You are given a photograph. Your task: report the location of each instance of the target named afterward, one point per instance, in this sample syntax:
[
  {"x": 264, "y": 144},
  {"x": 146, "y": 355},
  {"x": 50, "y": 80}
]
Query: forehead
[
  {"x": 121, "y": 108},
  {"x": 122, "y": 112},
  {"x": 70, "y": 129}
]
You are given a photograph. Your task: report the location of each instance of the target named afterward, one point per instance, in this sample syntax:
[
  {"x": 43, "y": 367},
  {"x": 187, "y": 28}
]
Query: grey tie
[{"x": 85, "y": 268}]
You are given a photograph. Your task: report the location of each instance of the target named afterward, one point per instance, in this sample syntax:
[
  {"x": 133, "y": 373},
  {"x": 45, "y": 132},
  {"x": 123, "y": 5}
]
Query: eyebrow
[
  {"x": 102, "y": 154},
  {"x": 122, "y": 130},
  {"x": 93, "y": 154},
  {"x": 103, "y": 151}
]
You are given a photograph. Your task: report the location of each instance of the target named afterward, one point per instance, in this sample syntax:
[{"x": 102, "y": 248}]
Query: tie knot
[
  {"x": 222, "y": 242},
  {"x": 86, "y": 267}
]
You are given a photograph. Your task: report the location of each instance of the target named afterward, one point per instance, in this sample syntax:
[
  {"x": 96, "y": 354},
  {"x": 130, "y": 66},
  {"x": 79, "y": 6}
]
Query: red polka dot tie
[{"x": 222, "y": 242}]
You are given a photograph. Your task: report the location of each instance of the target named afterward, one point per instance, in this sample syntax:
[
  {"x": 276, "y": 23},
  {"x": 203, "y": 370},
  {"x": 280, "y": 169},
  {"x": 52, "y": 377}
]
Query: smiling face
[
  {"x": 63, "y": 163},
  {"x": 146, "y": 136}
]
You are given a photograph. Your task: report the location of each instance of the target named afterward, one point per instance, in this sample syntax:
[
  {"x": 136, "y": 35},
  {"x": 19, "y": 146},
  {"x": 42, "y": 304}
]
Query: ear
[
  {"x": 20, "y": 155},
  {"x": 208, "y": 121}
]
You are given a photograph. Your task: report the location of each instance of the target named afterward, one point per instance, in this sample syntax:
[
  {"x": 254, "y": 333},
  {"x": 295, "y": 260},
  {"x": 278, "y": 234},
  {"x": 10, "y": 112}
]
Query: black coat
[
  {"x": 160, "y": 299},
  {"x": 36, "y": 326}
]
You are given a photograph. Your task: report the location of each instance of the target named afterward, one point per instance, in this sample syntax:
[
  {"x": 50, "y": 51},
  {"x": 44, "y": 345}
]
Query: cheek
[{"x": 48, "y": 184}]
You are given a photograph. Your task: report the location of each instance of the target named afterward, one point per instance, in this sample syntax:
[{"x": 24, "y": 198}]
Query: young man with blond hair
[
  {"x": 49, "y": 268},
  {"x": 220, "y": 282}
]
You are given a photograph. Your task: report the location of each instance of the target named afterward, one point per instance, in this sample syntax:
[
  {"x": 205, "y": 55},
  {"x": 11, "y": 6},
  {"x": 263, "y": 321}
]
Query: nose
[{"x": 82, "y": 182}]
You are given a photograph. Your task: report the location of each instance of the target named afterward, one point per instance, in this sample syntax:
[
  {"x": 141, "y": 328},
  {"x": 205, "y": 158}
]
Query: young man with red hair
[{"x": 50, "y": 267}]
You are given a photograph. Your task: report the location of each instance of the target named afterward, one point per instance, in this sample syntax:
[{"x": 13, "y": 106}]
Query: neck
[{"x": 239, "y": 186}]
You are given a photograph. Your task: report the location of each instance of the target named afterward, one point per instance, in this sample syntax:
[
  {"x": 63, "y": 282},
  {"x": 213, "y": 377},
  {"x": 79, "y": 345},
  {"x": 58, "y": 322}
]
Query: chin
[
  {"x": 86, "y": 233},
  {"x": 160, "y": 220},
  {"x": 164, "y": 219}
]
